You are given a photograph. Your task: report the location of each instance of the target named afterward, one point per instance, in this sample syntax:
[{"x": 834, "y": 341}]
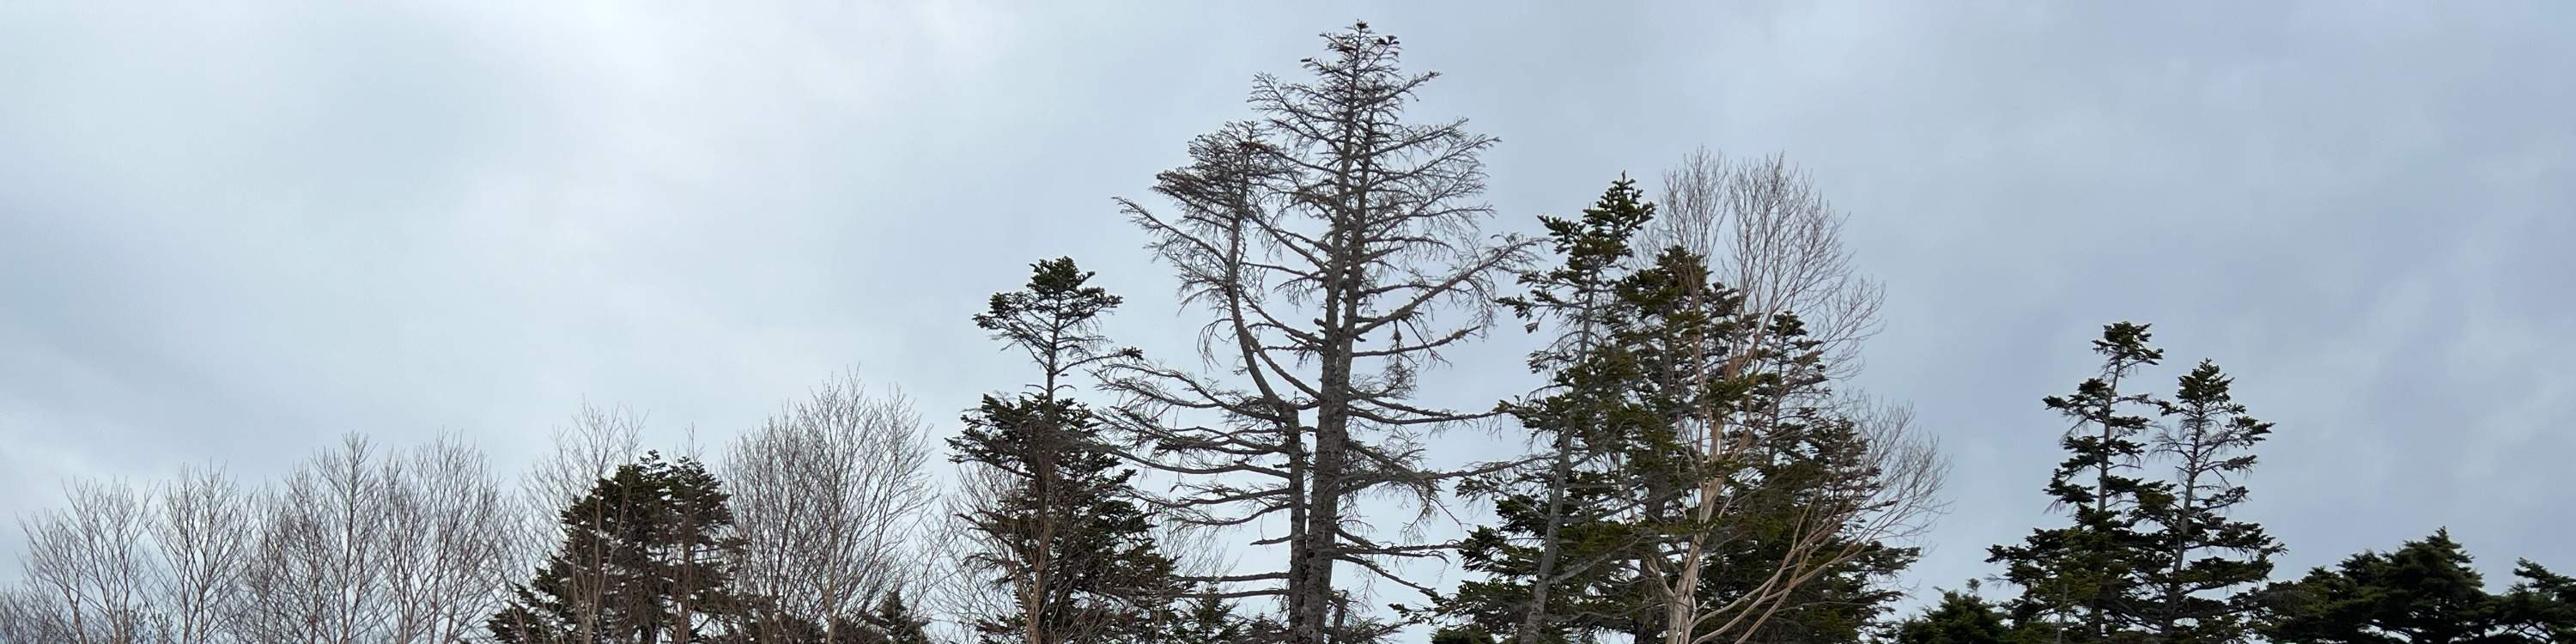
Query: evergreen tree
[
  {"x": 2081, "y": 583},
  {"x": 1804, "y": 459},
  {"x": 893, "y": 623},
  {"x": 2424, "y": 593},
  {"x": 2205, "y": 551},
  {"x": 1060, "y": 530},
  {"x": 645, "y": 558},
  {"x": 1550, "y": 560},
  {"x": 1960, "y": 618},
  {"x": 1583, "y": 524},
  {"x": 1206, "y": 619},
  {"x": 2542, "y": 607}
]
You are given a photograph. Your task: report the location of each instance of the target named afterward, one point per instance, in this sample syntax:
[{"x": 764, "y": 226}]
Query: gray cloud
[{"x": 229, "y": 233}]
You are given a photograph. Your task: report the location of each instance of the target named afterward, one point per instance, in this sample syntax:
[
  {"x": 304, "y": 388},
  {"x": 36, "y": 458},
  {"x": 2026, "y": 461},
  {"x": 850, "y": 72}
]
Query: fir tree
[
  {"x": 2205, "y": 551},
  {"x": 2424, "y": 593},
  {"x": 2080, "y": 582},
  {"x": 893, "y": 623},
  {"x": 1206, "y": 619},
  {"x": 1060, "y": 531},
  {"x": 1960, "y": 618},
  {"x": 645, "y": 558},
  {"x": 1550, "y": 560}
]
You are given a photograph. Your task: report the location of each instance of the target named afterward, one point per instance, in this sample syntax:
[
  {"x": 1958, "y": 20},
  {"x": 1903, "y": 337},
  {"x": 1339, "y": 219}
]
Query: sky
[{"x": 230, "y": 232}]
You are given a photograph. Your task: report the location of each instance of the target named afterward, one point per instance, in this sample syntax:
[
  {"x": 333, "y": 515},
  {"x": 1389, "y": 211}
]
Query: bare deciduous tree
[
  {"x": 1326, "y": 240},
  {"x": 88, "y": 568},
  {"x": 448, "y": 550},
  {"x": 204, "y": 533},
  {"x": 1771, "y": 236},
  {"x": 593, "y": 446},
  {"x": 830, "y": 497}
]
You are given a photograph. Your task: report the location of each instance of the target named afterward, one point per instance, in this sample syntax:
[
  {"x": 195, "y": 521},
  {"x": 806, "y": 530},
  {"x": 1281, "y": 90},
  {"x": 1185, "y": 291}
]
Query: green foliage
[
  {"x": 1641, "y": 355},
  {"x": 645, "y": 554},
  {"x": 1207, "y": 619},
  {"x": 2192, "y": 596},
  {"x": 2424, "y": 593},
  {"x": 2078, "y": 581},
  {"x": 1062, "y": 529},
  {"x": 1960, "y": 618}
]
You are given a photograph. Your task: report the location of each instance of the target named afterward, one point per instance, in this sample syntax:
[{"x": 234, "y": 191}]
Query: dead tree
[{"x": 1337, "y": 248}]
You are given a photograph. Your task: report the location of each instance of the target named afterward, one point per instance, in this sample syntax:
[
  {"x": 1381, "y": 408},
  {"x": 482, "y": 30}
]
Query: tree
[
  {"x": 2542, "y": 607},
  {"x": 1549, "y": 560},
  {"x": 1960, "y": 618},
  {"x": 653, "y": 538},
  {"x": 87, "y": 568},
  {"x": 829, "y": 497},
  {"x": 2081, "y": 580},
  {"x": 2424, "y": 593},
  {"x": 1726, "y": 494},
  {"x": 1205, "y": 619},
  {"x": 1771, "y": 247},
  {"x": 1331, "y": 241},
  {"x": 2205, "y": 551},
  {"x": 1055, "y": 521}
]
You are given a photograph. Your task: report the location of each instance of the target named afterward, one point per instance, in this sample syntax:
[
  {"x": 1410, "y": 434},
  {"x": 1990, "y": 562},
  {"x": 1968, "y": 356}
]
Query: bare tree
[
  {"x": 89, "y": 569},
  {"x": 447, "y": 551},
  {"x": 1769, "y": 233},
  {"x": 590, "y": 448},
  {"x": 1336, "y": 247},
  {"x": 1777, "y": 243},
  {"x": 829, "y": 496},
  {"x": 204, "y": 534}
]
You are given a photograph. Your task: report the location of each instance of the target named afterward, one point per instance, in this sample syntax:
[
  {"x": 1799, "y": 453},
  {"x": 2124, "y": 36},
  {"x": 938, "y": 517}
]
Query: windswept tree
[
  {"x": 1552, "y": 561},
  {"x": 1757, "y": 248},
  {"x": 1336, "y": 247},
  {"x": 1726, "y": 494},
  {"x": 1959, "y": 618},
  {"x": 2080, "y": 582},
  {"x": 2209, "y": 557},
  {"x": 1053, "y": 522},
  {"x": 2425, "y": 592}
]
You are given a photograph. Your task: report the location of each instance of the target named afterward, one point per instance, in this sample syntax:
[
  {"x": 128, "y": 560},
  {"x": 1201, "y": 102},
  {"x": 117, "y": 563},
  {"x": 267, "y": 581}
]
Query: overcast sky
[{"x": 231, "y": 231}]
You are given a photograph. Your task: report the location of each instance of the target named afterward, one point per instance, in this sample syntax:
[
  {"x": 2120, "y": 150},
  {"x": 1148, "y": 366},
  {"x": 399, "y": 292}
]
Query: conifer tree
[
  {"x": 1960, "y": 618},
  {"x": 1205, "y": 619},
  {"x": 1335, "y": 244},
  {"x": 893, "y": 623},
  {"x": 1550, "y": 560},
  {"x": 646, "y": 558},
  {"x": 1058, "y": 529},
  {"x": 2204, "y": 550},
  {"x": 2423, "y": 593},
  {"x": 2080, "y": 583},
  {"x": 1589, "y": 527}
]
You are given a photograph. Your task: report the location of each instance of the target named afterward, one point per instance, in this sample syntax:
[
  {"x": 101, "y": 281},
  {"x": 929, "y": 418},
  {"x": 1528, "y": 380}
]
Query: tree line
[{"x": 1700, "y": 466}]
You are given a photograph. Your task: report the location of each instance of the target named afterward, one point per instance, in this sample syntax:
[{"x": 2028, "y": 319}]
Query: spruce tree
[
  {"x": 2424, "y": 593},
  {"x": 1960, "y": 618},
  {"x": 1549, "y": 561},
  {"x": 1808, "y": 452},
  {"x": 646, "y": 558},
  {"x": 2204, "y": 550},
  {"x": 1205, "y": 619},
  {"x": 2080, "y": 582},
  {"x": 1060, "y": 532}
]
